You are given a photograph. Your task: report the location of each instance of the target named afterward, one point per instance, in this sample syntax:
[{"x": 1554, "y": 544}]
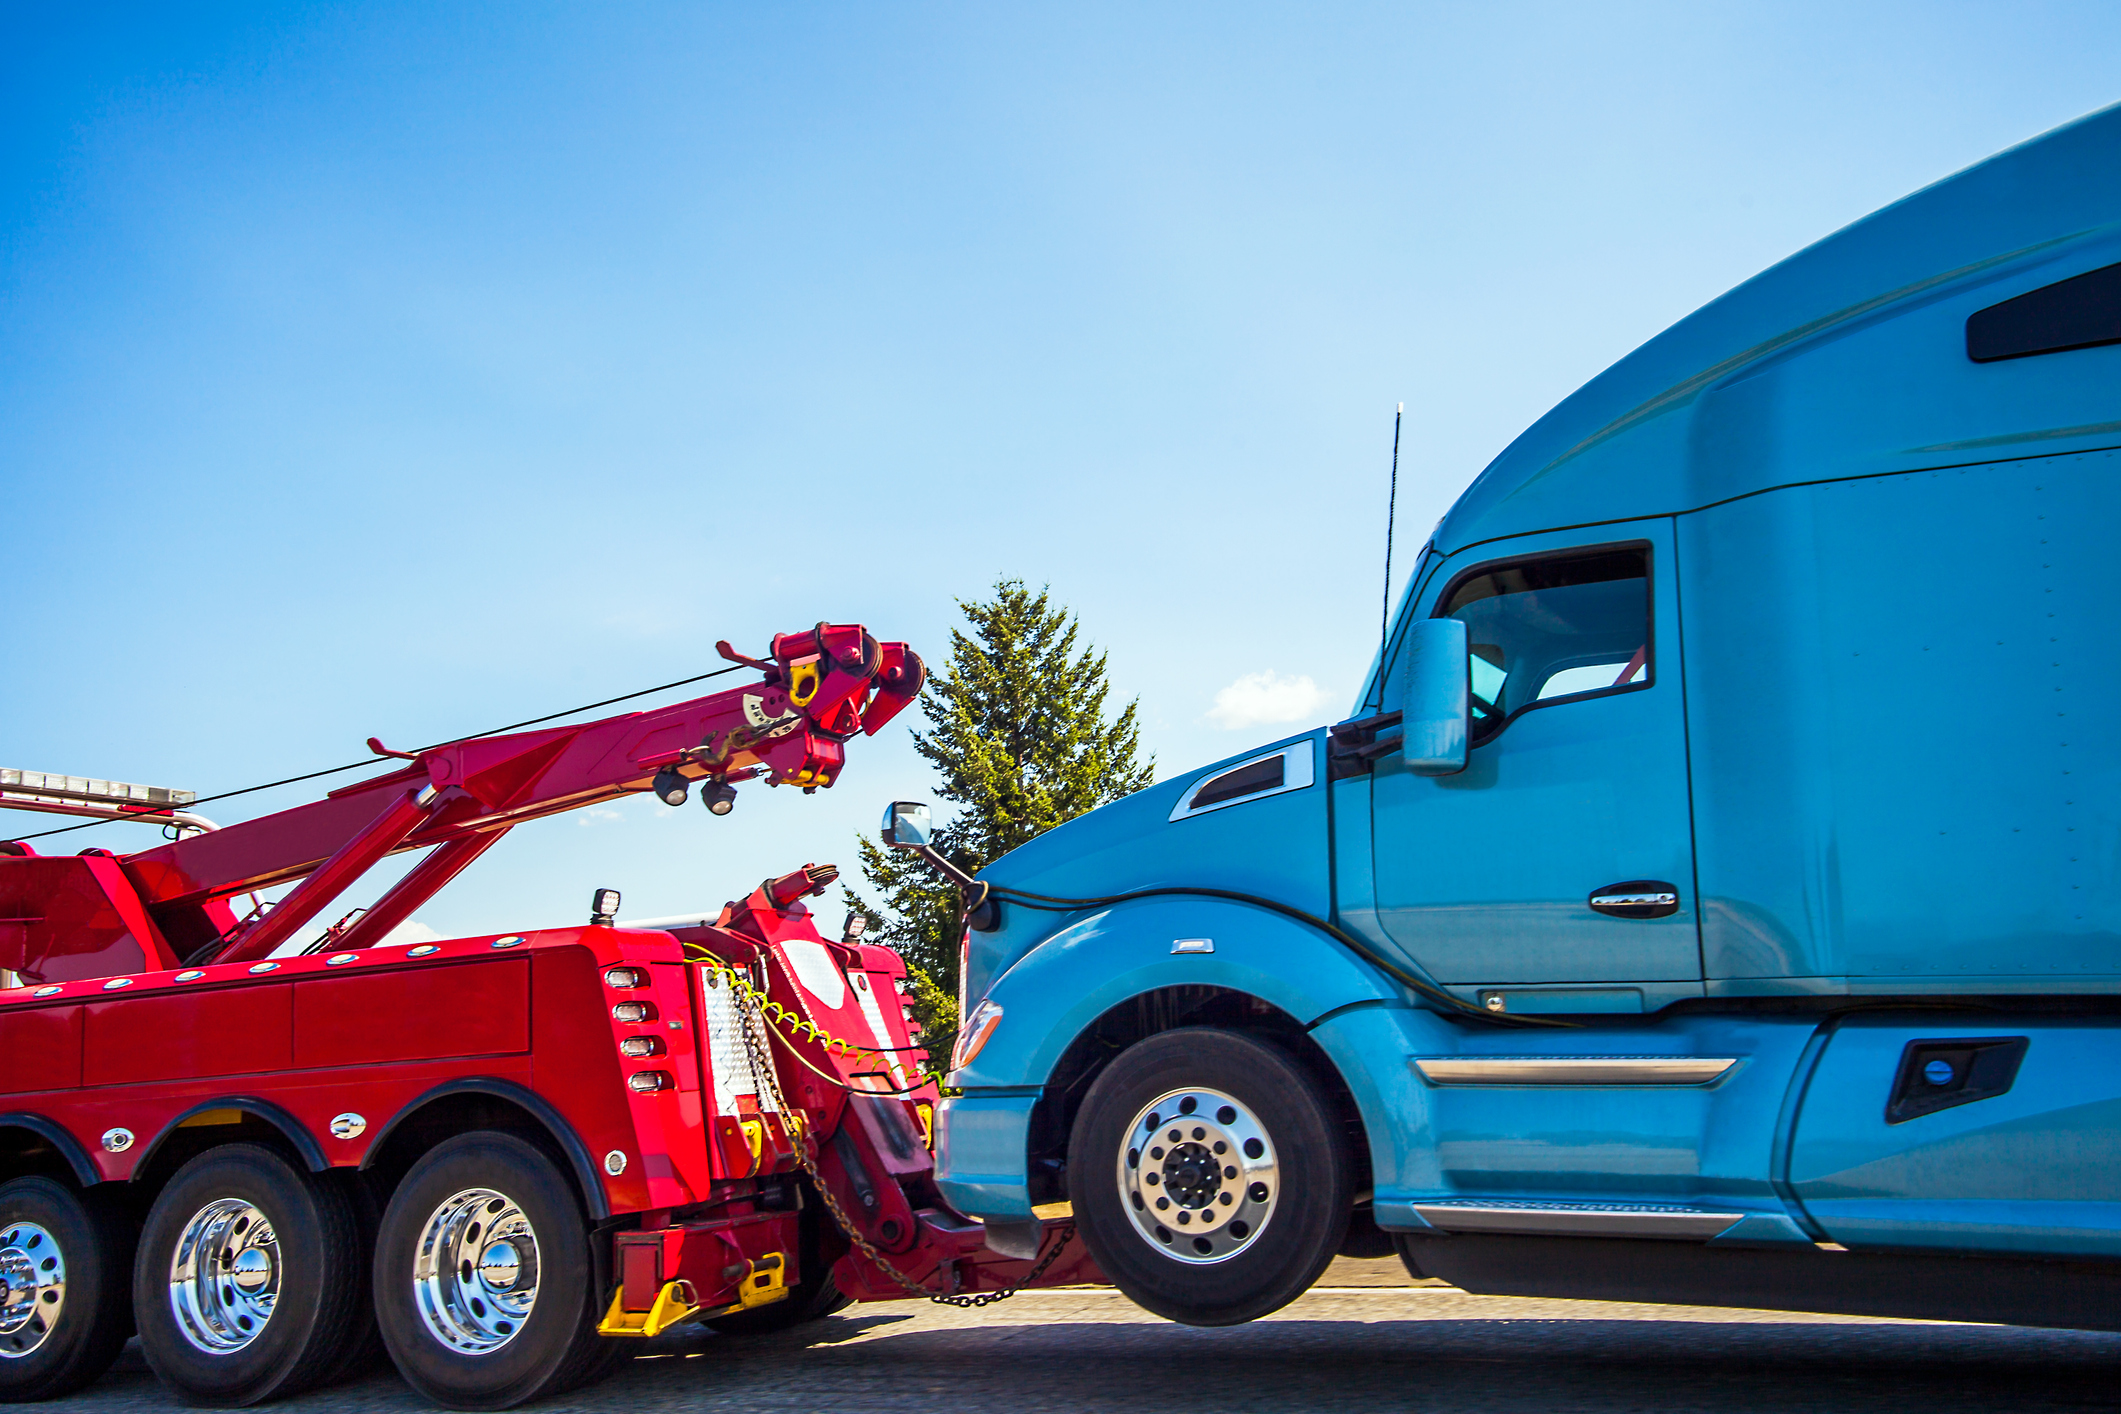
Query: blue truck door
[{"x": 1576, "y": 787}]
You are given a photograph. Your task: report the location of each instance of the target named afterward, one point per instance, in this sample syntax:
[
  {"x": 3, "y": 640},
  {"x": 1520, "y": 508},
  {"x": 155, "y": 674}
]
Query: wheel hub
[
  {"x": 475, "y": 1277},
  {"x": 224, "y": 1277},
  {"x": 250, "y": 1270},
  {"x": 1192, "y": 1175},
  {"x": 1197, "y": 1172},
  {"x": 500, "y": 1266},
  {"x": 34, "y": 1271}
]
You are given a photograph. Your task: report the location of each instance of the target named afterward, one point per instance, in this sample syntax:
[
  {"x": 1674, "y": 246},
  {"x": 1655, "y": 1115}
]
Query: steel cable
[{"x": 371, "y": 761}]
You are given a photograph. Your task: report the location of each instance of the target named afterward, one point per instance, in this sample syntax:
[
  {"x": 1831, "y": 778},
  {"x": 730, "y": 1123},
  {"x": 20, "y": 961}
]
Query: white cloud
[
  {"x": 404, "y": 935},
  {"x": 596, "y": 815},
  {"x": 1260, "y": 698}
]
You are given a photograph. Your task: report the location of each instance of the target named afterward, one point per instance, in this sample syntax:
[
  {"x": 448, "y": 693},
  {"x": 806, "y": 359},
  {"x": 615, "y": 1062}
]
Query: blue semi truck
[{"x": 1715, "y": 895}]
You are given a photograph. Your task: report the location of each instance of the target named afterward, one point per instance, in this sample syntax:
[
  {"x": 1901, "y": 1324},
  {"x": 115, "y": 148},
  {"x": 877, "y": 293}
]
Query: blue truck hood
[{"x": 1276, "y": 846}]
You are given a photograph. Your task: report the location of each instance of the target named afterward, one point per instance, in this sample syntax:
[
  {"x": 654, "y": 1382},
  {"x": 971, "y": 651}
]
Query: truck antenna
[{"x": 1384, "y": 615}]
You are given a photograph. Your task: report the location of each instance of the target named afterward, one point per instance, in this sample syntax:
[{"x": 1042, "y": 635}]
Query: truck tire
[
  {"x": 247, "y": 1284},
  {"x": 361, "y": 1352},
  {"x": 513, "y": 1314},
  {"x": 813, "y": 1297},
  {"x": 1208, "y": 1177},
  {"x": 67, "y": 1263}
]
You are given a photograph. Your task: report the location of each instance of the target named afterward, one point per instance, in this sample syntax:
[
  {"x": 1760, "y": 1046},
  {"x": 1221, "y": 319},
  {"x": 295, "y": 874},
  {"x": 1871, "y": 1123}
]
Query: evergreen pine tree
[{"x": 1020, "y": 742}]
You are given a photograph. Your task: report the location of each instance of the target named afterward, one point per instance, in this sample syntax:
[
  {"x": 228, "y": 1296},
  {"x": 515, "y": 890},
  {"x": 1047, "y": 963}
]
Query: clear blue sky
[{"x": 412, "y": 369}]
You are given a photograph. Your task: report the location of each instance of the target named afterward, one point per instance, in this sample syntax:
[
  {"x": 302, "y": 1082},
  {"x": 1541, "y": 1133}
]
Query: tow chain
[{"x": 806, "y": 1157}]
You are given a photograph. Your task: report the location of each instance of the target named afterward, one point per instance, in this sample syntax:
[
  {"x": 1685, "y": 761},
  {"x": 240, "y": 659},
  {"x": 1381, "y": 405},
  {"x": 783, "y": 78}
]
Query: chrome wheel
[
  {"x": 475, "y": 1276},
  {"x": 1198, "y": 1174},
  {"x": 224, "y": 1277},
  {"x": 35, "y": 1272}
]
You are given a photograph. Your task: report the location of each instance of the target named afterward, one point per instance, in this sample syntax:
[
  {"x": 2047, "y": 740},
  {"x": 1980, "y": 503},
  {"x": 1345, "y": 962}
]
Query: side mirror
[
  {"x": 906, "y": 823},
  {"x": 907, "y": 826},
  {"x": 1436, "y": 722}
]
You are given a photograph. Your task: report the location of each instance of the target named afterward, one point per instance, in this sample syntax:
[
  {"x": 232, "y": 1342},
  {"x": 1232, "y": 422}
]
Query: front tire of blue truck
[
  {"x": 66, "y": 1259},
  {"x": 484, "y": 1286},
  {"x": 1208, "y": 1176}
]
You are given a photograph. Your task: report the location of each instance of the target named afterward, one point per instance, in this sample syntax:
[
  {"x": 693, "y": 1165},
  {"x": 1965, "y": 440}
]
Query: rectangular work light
[{"x": 45, "y": 788}]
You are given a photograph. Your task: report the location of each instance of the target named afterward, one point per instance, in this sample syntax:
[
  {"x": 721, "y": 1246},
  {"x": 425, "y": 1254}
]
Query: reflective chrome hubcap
[
  {"x": 475, "y": 1277},
  {"x": 224, "y": 1277},
  {"x": 34, "y": 1271},
  {"x": 1197, "y": 1173}
]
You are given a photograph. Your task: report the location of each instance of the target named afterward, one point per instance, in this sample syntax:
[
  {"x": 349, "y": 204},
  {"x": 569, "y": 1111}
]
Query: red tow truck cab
[{"x": 541, "y": 1143}]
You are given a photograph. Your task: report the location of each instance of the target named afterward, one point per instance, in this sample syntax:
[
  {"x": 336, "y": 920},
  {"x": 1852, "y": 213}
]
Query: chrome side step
[
  {"x": 1572, "y": 1070},
  {"x": 1575, "y": 1219}
]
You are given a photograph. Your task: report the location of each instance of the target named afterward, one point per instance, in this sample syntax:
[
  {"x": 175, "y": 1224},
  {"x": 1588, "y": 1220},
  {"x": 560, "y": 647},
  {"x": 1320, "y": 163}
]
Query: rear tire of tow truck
[
  {"x": 362, "y": 1352},
  {"x": 813, "y": 1297},
  {"x": 247, "y": 1284},
  {"x": 66, "y": 1263},
  {"x": 484, "y": 1286},
  {"x": 1208, "y": 1176}
]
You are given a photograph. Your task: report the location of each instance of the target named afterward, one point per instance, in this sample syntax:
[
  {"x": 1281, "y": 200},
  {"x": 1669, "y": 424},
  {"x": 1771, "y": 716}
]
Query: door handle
[{"x": 1636, "y": 898}]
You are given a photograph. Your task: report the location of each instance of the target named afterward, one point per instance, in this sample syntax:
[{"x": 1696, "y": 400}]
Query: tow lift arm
[{"x": 815, "y": 691}]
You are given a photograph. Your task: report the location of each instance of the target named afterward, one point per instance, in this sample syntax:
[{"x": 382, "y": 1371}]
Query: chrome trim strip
[
  {"x": 1572, "y": 1070},
  {"x": 1566, "y": 1220},
  {"x": 1658, "y": 900},
  {"x": 1298, "y": 773}
]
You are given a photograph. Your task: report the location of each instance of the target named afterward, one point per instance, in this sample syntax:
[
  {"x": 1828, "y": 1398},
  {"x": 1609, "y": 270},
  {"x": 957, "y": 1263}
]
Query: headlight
[
  {"x": 972, "y": 1036},
  {"x": 625, "y": 977}
]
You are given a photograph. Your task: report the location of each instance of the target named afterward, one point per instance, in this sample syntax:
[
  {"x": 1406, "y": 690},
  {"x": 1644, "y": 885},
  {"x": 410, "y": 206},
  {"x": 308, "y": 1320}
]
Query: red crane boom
[{"x": 106, "y": 915}]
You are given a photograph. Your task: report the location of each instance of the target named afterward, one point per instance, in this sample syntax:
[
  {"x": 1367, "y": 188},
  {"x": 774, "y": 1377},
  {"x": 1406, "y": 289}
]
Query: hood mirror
[{"x": 907, "y": 825}]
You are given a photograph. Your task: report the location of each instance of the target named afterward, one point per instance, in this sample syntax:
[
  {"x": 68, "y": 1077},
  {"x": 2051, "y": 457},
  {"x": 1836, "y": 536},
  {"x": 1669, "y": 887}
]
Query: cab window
[{"x": 1553, "y": 629}]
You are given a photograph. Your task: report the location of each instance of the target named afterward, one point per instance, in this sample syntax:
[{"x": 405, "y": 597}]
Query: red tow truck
[{"x": 496, "y": 1158}]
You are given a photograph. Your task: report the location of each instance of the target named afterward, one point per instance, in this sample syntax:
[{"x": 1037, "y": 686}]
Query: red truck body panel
[{"x": 69, "y": 918}]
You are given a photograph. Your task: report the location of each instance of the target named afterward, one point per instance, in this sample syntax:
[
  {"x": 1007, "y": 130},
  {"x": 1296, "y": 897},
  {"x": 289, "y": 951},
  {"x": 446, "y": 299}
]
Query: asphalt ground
[{"x": 1343, "y": 1346}]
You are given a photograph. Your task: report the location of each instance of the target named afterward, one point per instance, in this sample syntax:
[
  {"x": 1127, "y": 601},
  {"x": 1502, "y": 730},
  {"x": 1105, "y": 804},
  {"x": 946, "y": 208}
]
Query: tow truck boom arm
[{"x": 816, "y": 690}]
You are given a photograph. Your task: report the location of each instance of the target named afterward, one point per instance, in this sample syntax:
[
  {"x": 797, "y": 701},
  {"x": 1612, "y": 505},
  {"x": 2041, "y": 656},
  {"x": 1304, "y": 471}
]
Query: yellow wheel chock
[
  {"x": 676, "y": 1302},
  {"x": 766, "y": 1283}
]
